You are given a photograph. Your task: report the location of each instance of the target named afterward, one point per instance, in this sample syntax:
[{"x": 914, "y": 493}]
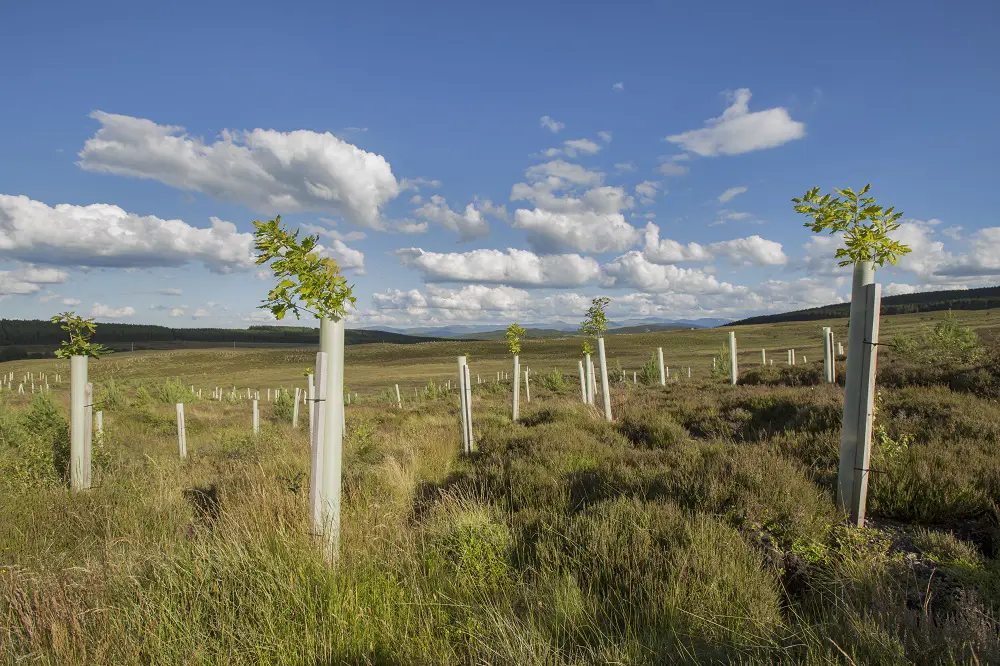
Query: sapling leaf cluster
[
  {"x": 307, "y": 282},
  {"x": 513, "y": 338},
  {"x": 80, "y": 331},
  {"x": 866, "y": 225}
]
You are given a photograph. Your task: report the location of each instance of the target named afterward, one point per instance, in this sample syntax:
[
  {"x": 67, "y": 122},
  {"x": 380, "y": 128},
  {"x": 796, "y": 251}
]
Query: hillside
[
  {"x": 985, "y": 298},
  {"x": 18, "y": 336}
]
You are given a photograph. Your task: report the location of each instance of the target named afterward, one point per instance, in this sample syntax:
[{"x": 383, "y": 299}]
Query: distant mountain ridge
[
  {"x": 983, "y": 298},
  {"x": 555, "y": 328}
]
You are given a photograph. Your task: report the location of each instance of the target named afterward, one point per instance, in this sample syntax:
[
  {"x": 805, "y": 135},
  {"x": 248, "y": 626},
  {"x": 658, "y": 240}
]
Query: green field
[{"x": 698, "y": 527}]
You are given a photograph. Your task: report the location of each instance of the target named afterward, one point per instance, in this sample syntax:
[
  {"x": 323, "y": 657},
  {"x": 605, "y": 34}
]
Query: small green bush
[
  {"x": 721, "y": 368},
  {"x": 650, "y": 372},
  {"x": 554, "y": 381},
  {"x": 173, "y": 391},
  {"x": 284, "y": 404},
  {"x": 111, "y": 396},
  {"x": 946, "y": 342}
]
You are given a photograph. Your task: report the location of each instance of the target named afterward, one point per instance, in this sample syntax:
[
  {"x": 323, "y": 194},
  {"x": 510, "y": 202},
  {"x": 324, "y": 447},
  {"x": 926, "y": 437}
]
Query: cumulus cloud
[
  {"x": 103, "y": 235},
  {"x": 584, "y": 231},
  {"x": 28, "y": 280},
  {"x": 71, "y": 301},
  {"x": 632, "y": 269},
  {"x": 647, "y": 191},
  {"x": 513, "y": 267},
  {"x": 605, "y": 136},
  {"x": 416, "y": 183},
  {"x": 265, "y": 170},
  {"x": 618, "y": 87},
  {"x": 176, "y": 312},
  {"x": 671, "y": 166},
  {"x": 469, "y": 224},
  {"x": 101, "y": 311},
  {"x": 551, "y": 124},
  {"x": 567, "y": 216},
  {"x": 347, "y": 258},
  {"x": 749, "y": 251},
  {"x": 738, "y": 130},
  {"x": 732, "y": 192},
  {"x": 436, "y": 304},
  {"x": 575, "y": 147},
  {"x": 349, "y": 237},
  {"x": 411, "y": 227}
]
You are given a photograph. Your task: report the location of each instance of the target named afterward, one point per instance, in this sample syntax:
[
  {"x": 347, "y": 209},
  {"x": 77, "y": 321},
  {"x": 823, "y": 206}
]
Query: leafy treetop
[
  {"x": 595, "y": 323},
  {"x": 513, "y": 337},
  {"x": 308, "y": 282},
  {"x": 865, "y": 224},
  {"x": 80, "y": 331},
  {"x": 587, "y": 349}
]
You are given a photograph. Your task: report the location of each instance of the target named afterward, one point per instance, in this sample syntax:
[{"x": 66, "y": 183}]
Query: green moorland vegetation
[{"x": 698, "y": 527}]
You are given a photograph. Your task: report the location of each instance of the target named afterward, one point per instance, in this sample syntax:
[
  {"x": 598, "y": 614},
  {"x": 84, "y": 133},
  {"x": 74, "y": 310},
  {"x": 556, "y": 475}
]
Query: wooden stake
[{"x": 88, "y": 451}]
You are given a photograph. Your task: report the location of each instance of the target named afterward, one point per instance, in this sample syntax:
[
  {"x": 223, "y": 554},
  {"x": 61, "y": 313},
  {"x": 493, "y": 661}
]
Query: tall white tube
[
  {"x": 583, "y": 383},
  {"x": 516, "y": 389},
  {"x": 733, "y": 371},
  {"x": 663, "y": 374},
  {"x": 77, "y": 439},
  {"x": 333, "y": 336},
  {"x": 606, "y": 394},
  {"x": 864, "y": 275},
  {"x": 317, "y": 397}
]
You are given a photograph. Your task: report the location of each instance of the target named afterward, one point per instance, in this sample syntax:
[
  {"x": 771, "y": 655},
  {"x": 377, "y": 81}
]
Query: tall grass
[{"x": 698, "y": 528}]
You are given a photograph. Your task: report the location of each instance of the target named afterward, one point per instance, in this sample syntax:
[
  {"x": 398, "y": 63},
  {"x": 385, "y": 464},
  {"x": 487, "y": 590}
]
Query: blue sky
[{"x": 472, "y": 163}]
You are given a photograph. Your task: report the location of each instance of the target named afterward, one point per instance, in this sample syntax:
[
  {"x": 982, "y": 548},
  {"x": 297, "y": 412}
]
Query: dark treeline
[
  {"x": 15, "y": 333},
  {"x": 984, "y": 298}
]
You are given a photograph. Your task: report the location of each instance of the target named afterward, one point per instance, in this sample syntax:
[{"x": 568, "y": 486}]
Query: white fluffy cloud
[
  {"x": 752, "y": 250},
  {"x": 584, "y": 231},
  {"x": 347, "y": 258},
  {"x": 436, "y": 304},
  {"x": 469, "y": 224},
  {"x": 929, "y": 259},
  {"x": 738, "y": 130},
  {"x": 28, "y": 280},
  {"x": 671, "y": 166},
  {"x": 265, "y": 170},
  {"x": 349, "y": 237},
  {"x": 605, "y": 136},
  {"x": 551, "y": 124},
  {"x": 732, "y": 192},
  {"x": 632, "y": 269},
  {"x": 101, "y": 311},
  {"x": 513, "y": 267},
  {"x": 574, "y": 147},
  {"x": 647, "y": 191},
  {"x": 618, "y": 87},
  {"x": 105, "y": 235},
  {"x": 567, "y": 216}
]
